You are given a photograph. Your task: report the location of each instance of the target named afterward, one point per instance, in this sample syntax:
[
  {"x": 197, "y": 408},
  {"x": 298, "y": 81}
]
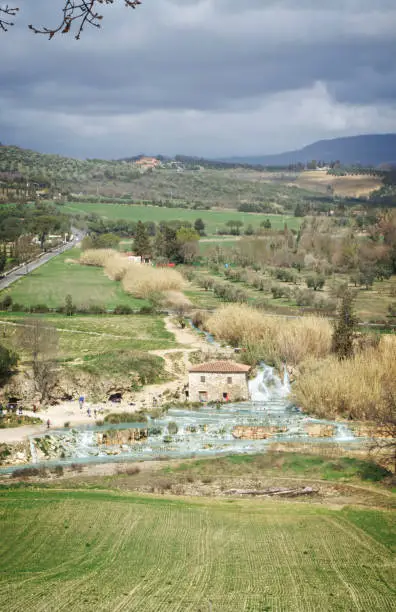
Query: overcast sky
[{"x": 200, "y": 77}]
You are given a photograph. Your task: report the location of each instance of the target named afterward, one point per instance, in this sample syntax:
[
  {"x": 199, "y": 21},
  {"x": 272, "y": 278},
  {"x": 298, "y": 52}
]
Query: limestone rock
[
  {"x": 319, "y": 430},
  {"x": 245, "y": 432}
]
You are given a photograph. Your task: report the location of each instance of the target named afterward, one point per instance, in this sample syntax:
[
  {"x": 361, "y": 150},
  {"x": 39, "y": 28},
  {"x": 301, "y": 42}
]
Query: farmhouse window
[
  {"x": 229, "y": 380},
  {"x": 203, "y": 379}
]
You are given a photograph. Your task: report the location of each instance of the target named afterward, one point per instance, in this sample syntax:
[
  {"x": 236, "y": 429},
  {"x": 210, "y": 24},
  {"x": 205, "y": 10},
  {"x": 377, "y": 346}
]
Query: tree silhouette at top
[{"x": 75, "y": 15}]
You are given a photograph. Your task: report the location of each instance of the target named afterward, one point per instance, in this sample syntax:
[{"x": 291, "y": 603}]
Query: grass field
[
  {"x": 213, "y": 219},
  {"x": 102, "y": 345},
  {"x": 91, "y": 550},
  {"x": 52, "y": 282}
]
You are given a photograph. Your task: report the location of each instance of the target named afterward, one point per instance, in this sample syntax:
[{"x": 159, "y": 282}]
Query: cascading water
[
  {"x": 33, "y": 451},
  {"x": 209, "y": 430},
  {"x": 267, "y": 385}
]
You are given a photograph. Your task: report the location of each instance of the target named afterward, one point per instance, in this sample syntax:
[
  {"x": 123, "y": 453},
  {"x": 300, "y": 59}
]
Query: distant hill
[{"x": 369, "y": 150}]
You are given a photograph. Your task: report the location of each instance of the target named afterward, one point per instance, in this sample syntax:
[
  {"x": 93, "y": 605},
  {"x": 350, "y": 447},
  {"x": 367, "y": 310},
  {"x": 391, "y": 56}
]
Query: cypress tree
[
  {"x": 141, "y": 243},
  {"x": 345, "y": 327}
]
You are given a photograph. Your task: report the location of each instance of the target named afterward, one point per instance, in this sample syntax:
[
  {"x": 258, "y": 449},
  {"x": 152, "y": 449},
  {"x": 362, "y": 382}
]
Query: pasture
[
  {"x": 107, "y": 551},
  {"x": 62, "y": 275},
  {"x": 213, "y": 219}
]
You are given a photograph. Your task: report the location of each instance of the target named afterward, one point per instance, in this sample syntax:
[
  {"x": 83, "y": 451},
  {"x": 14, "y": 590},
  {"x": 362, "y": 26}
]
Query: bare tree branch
[
  {"x": 5, "y": 13},
  {"x": 76, "y": 14}
]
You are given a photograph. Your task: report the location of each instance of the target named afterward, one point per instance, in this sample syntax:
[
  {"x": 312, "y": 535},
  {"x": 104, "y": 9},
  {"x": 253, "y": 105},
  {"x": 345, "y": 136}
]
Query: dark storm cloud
[{"x": 151, "y": 76}]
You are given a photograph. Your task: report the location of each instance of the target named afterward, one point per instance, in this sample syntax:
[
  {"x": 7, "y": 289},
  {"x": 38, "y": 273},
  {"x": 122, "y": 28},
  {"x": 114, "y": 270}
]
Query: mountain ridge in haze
[{"x": 367, "y": 150}]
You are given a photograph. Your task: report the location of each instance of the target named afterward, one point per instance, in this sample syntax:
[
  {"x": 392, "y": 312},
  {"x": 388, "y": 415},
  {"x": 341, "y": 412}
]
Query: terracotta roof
[{"x": 221, "y": 367}]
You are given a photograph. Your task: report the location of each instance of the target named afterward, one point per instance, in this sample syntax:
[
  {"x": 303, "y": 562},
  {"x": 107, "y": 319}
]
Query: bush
[
  {"x": 6, "y": 303},
  {"x": 172, "y": 428},
  {"x": 278, "y": 291},
  {"x": 125, "y": 417},
  {"x": 315, "y": 281},
  {"x": 123, "y": 310},
  {"x": 285, "y": 275},
  {"x": 96, "y": 309},
  {"x": 58, "y": 470},
  {"x": 39, "y": 308}
]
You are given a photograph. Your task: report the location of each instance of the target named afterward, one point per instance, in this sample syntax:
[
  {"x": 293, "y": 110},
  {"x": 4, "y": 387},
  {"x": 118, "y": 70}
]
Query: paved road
[{"x": 25, "y": 269}]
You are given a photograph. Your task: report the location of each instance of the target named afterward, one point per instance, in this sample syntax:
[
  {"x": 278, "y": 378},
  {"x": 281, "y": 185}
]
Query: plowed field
[{"x": 86, "y": 550}]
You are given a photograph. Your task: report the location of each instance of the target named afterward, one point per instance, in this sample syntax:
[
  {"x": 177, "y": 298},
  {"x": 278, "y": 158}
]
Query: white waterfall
[
  {"x": 343, "y": 433},
  {"x": 33, "y": 451},
  {"x": 267, "y": 385}
]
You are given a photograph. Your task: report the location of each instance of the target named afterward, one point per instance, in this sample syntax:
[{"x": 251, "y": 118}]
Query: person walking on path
[
  {"x": 48, "y": 424},
  {"x": 81, "y": 401}
]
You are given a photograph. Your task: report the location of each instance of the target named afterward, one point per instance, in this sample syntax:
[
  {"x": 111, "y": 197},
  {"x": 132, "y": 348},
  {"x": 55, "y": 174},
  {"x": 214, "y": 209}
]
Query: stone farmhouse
[{"x": 218, "y": 381}]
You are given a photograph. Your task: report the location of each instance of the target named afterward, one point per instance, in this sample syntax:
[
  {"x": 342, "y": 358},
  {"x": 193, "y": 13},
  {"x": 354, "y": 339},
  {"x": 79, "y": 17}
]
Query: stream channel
[{"x": 207, "y": 431}]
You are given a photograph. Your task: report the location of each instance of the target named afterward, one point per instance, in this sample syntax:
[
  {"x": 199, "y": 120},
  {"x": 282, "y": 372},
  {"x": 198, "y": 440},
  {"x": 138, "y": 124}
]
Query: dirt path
[{"x": 177, "y": 362}]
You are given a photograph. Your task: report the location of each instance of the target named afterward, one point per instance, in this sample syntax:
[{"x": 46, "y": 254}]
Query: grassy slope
[
  {"x": 74, "y": 550},
  {"x": 212, "y": 218},
  {"x": 52, "y": 282},
  {"x": 104, "y": 344}
]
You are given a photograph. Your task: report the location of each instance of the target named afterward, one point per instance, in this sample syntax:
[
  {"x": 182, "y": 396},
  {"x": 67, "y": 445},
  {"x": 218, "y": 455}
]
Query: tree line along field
[
  {"x": 214, "y": 219},
  {"x": 108, "y": 551}
]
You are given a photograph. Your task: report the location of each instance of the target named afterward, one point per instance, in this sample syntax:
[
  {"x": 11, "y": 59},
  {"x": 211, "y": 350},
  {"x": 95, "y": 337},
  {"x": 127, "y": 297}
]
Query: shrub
[
  {"x": 77, "y": 467},
  {"x": 122, "y": 309},
  {"x": 125, "y": 417},
  {"x": 40, "y": 308},
  {"x": 285, "y": 275},
  {"x": 315, "y": 281},
  {"x": 96, "y": 309},
  {"x": 6, "y": 303},
  {"x": 58, "y": 470},
  {"x": 172, "y": 428},
  {"x": 278, "y": 291}
]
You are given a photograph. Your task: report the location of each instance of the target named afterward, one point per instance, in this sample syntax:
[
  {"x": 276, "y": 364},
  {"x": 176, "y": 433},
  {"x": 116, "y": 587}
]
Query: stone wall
[{"x": 215, "y": 385}]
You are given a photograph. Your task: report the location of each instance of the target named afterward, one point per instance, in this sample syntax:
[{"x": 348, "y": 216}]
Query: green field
[
  {"x": 97, "y": 550},
  {"x": 213, "y": 219},
  {"x": 102, "y": 344},
  {"x": 52, "y": 282}
]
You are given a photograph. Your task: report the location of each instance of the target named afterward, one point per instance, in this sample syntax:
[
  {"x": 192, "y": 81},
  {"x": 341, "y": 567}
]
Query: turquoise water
[{"x": 200, "y": 433}]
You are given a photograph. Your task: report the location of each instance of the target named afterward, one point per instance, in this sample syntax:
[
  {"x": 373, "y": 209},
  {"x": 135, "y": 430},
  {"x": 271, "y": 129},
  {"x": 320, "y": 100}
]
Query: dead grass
[
  {"x": 352, "y": 186},
  {"x": 350, "y": 387},
  {"x": 139, "y": 280},
  {"x": 96, "y": 257},
  {"x": 292, "y": 340},
  {"x": 142, "y": 281}
]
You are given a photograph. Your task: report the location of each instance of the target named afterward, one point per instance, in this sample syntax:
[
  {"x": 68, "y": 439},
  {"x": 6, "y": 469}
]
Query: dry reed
[
  {"x": 96, "y": 257},
  {"x": 116, "y": 266},
  {"x": 272, "y": 338},
  {"x": 349, "y": 388},
  {"x": 142, "y": 281},
  {"x": 138, "y": 279}
]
